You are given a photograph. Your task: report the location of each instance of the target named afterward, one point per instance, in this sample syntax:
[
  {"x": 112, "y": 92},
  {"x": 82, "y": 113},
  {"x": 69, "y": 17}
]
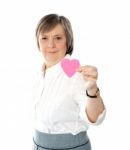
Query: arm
[{"x": 95, "y": 105}]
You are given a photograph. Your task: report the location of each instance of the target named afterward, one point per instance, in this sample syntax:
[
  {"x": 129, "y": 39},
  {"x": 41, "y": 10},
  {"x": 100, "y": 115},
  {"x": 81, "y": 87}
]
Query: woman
[{"x": 64, "y": 106}]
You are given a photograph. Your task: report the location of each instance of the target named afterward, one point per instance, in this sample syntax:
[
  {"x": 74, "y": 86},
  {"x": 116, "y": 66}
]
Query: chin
[{"x": 53, "y": 57}]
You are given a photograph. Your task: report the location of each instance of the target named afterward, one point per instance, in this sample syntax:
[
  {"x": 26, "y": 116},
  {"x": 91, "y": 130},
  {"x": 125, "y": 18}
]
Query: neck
[{"x": 49, "y": 65}]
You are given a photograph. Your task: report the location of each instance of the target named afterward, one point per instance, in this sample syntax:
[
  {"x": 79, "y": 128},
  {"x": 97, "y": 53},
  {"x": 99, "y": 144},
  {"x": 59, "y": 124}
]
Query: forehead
[{"x": 58, "y": 29}]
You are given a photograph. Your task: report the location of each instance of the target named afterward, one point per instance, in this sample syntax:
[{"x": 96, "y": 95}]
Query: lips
[{"x": 52, "y": 52}]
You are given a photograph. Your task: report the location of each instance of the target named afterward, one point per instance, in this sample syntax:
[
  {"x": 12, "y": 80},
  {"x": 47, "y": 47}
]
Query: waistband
[{"x": 60, "y": 141}]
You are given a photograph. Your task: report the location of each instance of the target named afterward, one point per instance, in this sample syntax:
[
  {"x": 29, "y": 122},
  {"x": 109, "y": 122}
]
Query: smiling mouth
[{"x": 52, "y": 52}]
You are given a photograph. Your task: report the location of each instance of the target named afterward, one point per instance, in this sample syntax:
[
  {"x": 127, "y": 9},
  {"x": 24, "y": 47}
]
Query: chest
[{"x": 56, "y": 92}]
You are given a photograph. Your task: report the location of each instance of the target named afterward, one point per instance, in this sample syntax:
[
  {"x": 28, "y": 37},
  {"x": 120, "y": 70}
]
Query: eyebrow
[{"x": 58, "y": 35}]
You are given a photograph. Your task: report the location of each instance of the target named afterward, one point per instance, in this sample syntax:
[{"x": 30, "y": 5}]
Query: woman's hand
[
  {"x": 94, "y": 107},
  {"x": 90, "y": 75}
]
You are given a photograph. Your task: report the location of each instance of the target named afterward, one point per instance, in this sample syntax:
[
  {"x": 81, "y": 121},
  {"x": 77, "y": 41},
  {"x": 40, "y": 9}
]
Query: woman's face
[{"x": 53, "y": 45}]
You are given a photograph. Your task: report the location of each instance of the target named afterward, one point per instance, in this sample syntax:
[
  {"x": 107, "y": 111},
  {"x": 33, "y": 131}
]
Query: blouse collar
[{"x": 55, "y": 69}]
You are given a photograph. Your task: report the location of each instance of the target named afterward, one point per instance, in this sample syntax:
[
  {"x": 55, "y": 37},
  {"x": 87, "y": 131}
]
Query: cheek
[
  {"x": 40, "y": 44},
  {"x": 41, "y": 47},
  {"x": 63, "y": 47}
]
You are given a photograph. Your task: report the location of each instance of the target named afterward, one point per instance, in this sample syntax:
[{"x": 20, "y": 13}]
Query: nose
[{"x": 51, "y": 43}]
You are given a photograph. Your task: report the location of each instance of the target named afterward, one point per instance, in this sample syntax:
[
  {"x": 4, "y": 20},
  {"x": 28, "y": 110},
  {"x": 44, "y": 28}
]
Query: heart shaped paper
[{"x": 70, "y": 66}]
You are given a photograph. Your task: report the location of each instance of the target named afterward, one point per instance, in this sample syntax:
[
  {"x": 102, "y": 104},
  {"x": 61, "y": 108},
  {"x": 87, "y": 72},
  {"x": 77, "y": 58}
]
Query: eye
[
  {"x": 44, "y": 38},
  {"x": 58, "y": 38}
]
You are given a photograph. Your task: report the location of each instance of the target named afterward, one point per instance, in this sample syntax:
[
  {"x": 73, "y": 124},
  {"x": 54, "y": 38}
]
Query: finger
[
  {"x": 87, "y": 68},
  {"x": 80, "y": 69},
  {"x": 90, "y": 78},
  {"x": 90, "y": 67},
  {"x": 93, "y": 74}
]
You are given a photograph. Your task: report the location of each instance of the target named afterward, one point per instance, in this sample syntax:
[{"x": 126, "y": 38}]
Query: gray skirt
[{"x": 45, "y": 141}]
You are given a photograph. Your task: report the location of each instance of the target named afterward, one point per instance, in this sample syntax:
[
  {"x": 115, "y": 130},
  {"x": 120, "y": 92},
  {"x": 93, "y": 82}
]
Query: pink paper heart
[{"x": 70, "y": 66}]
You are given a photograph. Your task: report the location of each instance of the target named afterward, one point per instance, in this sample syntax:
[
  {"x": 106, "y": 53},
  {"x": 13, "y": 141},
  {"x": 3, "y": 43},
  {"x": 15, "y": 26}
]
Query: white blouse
[{"x": 60, "y": 101}]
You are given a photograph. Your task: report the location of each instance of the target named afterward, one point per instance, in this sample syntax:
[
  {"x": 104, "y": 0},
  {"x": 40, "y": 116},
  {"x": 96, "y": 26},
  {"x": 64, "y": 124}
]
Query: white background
[{"x": 102, "y": 38}]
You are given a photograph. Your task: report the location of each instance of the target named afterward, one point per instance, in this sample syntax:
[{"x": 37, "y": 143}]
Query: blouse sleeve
[{"x": 80, "y": 97}]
